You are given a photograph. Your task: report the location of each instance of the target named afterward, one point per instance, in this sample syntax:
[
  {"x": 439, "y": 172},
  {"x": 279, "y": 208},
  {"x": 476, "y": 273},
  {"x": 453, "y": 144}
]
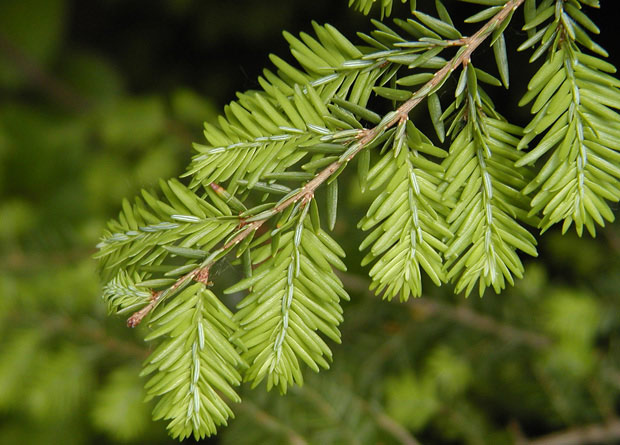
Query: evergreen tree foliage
[
  {"x": 458, "y": 210},
  {"x": 84, "y": 122}
]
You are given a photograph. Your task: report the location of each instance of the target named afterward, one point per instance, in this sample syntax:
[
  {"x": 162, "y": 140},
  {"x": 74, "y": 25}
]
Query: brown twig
[
  {"x": 199, "y": 274},
  {"x": 137, "y": 317},
  {"x": 364, "y": 137}
]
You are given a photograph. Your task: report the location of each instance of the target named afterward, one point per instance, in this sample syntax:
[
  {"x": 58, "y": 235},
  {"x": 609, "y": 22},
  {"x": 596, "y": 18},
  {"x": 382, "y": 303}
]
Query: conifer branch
[
  {"x": 196, "y": 274},
  {"x": 362, "y": 139},
  {"x": 455, "y": 214},
  {"x": 469, "y": 45},
  {"x": 575, "y": 103}
]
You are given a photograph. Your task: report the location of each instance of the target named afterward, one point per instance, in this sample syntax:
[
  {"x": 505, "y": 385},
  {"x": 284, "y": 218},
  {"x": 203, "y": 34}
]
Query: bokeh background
[{"x": 101, "y": 98}]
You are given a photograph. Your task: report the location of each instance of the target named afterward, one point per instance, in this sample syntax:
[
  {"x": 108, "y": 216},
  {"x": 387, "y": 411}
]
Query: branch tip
[
  {"x": 137, "y": 317},
  {"x": 203, "y": 276},
  {"x": 216, "y": 187}
]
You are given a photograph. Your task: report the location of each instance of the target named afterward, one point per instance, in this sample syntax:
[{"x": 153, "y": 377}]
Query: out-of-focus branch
[
  {"x": 271, "y": 423},
  {"x": 591, "y": 434},
  {"x": 326, "y": 409},
  {"x": 63, "y": 93},
  {"x": 475, "y": 320},
  {"x": 85, "y": 330},
  {"x": 613, "y": 240},
  {"x": 462, "y": 315},
  {"x": 38, "y": 77},
  {"x": 388, "y": 424},
  {"x": 383, "y": 420},
  {"x": 19, "y": 261},
  {"x": 96, "y": 334}
]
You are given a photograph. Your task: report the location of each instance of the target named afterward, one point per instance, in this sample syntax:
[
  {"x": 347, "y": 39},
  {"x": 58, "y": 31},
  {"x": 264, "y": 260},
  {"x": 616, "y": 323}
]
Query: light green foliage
[
  {"x": 193, "y": 363},
  {"x": 409, "y": 236},
  {"x": 574, "y": 96},
  {"x": 293, "y": 295},
  {"x": 485, "y": 222},
  {"x": 365, "y": 6},
  {"x": 155, "y": 242},
  {"x": 122, "y": 294},
  {"x": 151, "y": 230},
  {"x": 453, "y": 211}
]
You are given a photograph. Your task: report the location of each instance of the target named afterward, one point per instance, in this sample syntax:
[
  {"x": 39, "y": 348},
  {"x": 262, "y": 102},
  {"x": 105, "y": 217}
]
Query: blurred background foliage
[{"x": 101, "y": 98}]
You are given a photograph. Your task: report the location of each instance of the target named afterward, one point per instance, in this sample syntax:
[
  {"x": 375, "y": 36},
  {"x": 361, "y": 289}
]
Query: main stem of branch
[{"x": 365, "y": 137}]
